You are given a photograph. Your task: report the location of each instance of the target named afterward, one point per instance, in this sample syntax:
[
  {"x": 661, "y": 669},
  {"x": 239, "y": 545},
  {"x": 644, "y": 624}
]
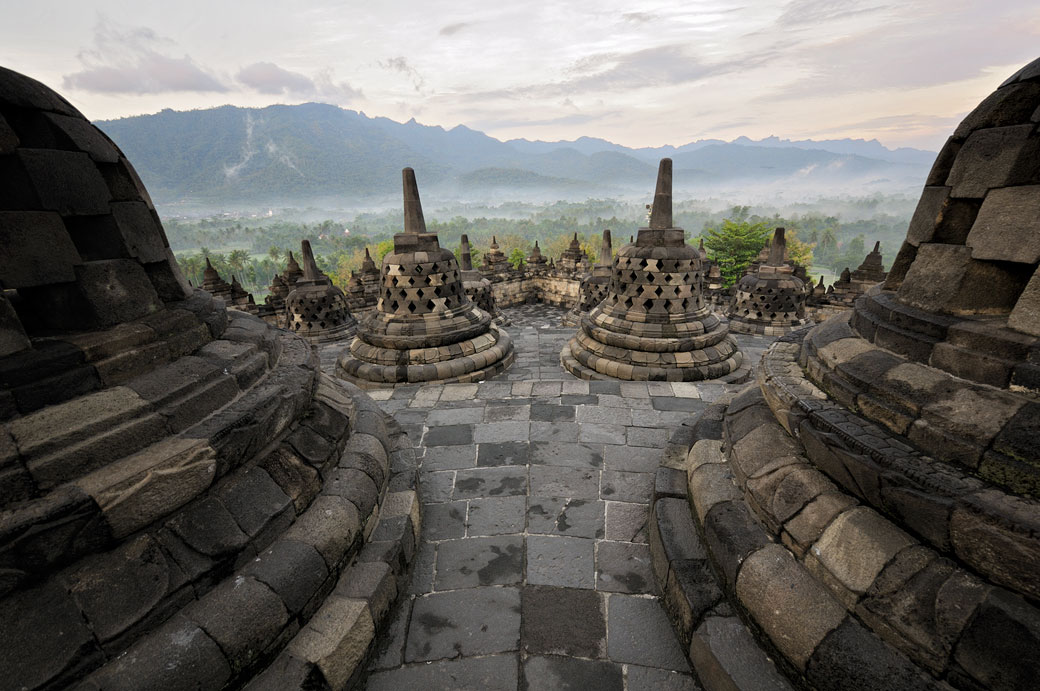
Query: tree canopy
[{"x": 734, "y": 244}]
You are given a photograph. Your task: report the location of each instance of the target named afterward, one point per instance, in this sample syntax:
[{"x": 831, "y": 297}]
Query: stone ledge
[
  {"x": 296, "y": 570},
  {"x": 946, "y": 507}
]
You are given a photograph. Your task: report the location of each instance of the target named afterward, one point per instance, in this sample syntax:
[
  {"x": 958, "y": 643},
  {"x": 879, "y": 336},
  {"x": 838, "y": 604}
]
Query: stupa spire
[
  {"x": 605, "y": 249},
  {"x": 310, "y": 267},
  {"x": 777, "y": 248},
  {"x": 413, "y": 216},
  {"x": 661, "y": 212},
  {"x": 466, "y": 254}
]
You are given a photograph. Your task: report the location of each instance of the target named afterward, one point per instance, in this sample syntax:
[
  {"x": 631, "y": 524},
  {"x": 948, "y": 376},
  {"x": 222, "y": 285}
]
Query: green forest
[{"x": 254, "y": 249}]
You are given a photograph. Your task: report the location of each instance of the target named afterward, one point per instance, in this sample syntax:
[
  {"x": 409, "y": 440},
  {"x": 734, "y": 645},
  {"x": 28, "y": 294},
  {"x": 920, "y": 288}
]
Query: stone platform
[{"x": 533, "y": 569}]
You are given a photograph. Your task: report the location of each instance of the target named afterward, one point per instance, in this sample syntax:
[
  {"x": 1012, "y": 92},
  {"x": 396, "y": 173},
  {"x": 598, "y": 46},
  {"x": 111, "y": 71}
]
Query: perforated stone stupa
[
  {"x": 654, "y": 324},
  {"x": 871, "y": 503},
  {"x": 571, "y": 258},
  {"x": 316, "y": 309},
  {"x": 185, "y": 499},
  {"x": 770, "y": 298},
  {"x": 595, "y": 287},
  {"x": 478, "y": 288},
  {"x": 425, "y": 328},
  {"x": 536, "y": 263}
]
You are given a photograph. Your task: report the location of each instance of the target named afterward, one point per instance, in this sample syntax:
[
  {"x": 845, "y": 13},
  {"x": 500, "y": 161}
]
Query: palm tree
[{"x": 237, "y": 261}]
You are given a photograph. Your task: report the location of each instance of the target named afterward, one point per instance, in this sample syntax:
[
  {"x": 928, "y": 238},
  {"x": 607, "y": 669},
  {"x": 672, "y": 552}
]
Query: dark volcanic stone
[
  {"x": 568, "y": 673},
  {"x": 178, "y": 656},
  {"x": 503, "y": 453},
  {"x": 732, "y": 534},
  {"x": 291, "y": 569},
  {"x": 117, "y": 589},
  {"x": 479, "y": 561},
  {"x": 639, "y": 632},
  {"x": 209, "y": 528},
  {"x": 243, "y": 616},
  {"x": 851, "y": 658},
  {"x": 999, "y": 647},
  {"x": 493, "y": 673},
  {"x": 473, "y": 621},
  {"x": 43, "y": 634},
  {"x": 564, "y": 621}
]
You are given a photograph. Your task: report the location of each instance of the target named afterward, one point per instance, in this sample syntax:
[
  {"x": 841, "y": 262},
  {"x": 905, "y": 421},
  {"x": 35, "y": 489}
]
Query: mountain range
[{"x": 311, "y": 152}]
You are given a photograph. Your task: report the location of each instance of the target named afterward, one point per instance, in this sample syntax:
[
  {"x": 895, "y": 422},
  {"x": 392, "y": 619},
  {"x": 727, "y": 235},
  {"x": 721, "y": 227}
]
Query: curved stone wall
[
  {"x": 183, "y": 494},
  {"x": 870, "y": 504}
]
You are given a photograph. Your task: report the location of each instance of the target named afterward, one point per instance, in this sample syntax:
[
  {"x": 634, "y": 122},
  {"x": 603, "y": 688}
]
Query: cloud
[
  {"x": 638, "y": 17},
  {"x": 326, "y": 87},
  {"x": 137, "y": 61},
  {"x": 269, "y": 78},
  {"x": 400, "y": 64},
  {"x": 817, "y": 12},
  {"x": 452, "y": 29},
  {"x": 574, "y": 119}
]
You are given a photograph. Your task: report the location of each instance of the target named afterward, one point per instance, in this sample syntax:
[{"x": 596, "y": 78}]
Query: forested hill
[{"x": 296, "y": 154}]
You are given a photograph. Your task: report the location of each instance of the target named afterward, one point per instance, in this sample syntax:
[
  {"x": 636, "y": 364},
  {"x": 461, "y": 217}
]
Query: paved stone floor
[{"x": 534, "y": 569}]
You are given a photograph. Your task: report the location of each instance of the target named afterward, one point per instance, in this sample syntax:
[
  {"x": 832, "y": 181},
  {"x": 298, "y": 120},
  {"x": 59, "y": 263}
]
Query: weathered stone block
[
  {"x": 712, "y": 484},
  {"x": 806, "y": 527},
  {"x": 792, "y": 607},
  {"x": 243, "y": 616},
  {"x": 853, "y": 658},
  {"x": 209, "y": 528},
  {"x": 254, "y": 500},
  {"x": 148, "y": 485},
  {"x": 12, "y": 333},
  {"x": 116, "y": 290},
  {"x": 373, "y": 582},
  {"x": 178, "y": 655},
  {"x": 726, "y": 656},
  {"x": 44, "y": 635},
  {"x": 998, "y": 648},
  {"x": 856, "y": 546},
  {"x": 119, "y": 589},
  {"x": 926, "y": 215},
  {"x": 987, "y": 159},
  {"x": 330, "y": 525},
  {"x": 336, "y": 639},
  {"x": 732, "y": 534},
  {"x": 35, "y": 249},
  {"x": 997, "y": 534},
  {"x": 67, "y": 182},
  {"x": 298, "y": 480},
  {"x": 1008, "y": 226},
  {"x": 945, "y": 279},
  {"x": 1025, "y": 314}
]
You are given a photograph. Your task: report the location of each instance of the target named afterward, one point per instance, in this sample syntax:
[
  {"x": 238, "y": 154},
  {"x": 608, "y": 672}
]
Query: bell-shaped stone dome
[{"x": 165, "y": 515}]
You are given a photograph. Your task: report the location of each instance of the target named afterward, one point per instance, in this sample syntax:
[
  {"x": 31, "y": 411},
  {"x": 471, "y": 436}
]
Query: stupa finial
[
  {"x": 310, "y": 267},
  {"x": 661, "y": 212},
  {"x": 413, "y": 216},
  {"x": 605, "y": 249}
]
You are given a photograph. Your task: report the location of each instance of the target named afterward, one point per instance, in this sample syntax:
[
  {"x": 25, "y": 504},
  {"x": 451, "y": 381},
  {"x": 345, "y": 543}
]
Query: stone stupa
[
  {"x": 595, "y": 287},
  {"x": 851, "y": 284},
  {"x": 570, "y": 259},
  {"x": 654, "y": 324},
  {"x": 315, "y": 309},
  {"x": 769, "y": 299},
  {"x": 872, "y": 503},
  {"x": 476, "y": 286},
  {"x": 424, "y": 328},
  {"x": 185, "y": 497},
  {"x": 536, "y": 263}
]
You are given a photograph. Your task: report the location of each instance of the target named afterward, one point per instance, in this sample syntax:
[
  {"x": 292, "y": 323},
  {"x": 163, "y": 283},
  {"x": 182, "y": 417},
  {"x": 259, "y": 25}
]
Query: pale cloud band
[{"x": 637, "y": 73}]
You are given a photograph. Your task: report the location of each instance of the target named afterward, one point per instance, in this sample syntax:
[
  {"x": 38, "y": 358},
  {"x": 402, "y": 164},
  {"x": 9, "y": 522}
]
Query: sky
[{"x": 634, "y": 72}]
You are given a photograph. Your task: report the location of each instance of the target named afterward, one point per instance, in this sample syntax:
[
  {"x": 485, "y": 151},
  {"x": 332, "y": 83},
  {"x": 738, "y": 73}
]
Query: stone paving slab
[{"x": 534, "y": 569}]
